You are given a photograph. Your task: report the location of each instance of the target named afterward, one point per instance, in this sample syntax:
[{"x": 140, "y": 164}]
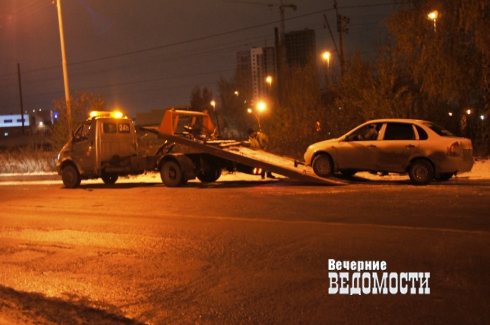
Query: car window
[
  {"x": 399, "y": 131},
  {"x": 366, "y": 133},
  {"x": 83, "y": 132},
  {"x": 422, "y": 134},
  {"x": 109, "y": 127},
  {"x": 439, "y": 129}
]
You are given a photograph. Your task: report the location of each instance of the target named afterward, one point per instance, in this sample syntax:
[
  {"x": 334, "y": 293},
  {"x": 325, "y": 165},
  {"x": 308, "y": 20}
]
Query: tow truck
[{"x": 105, "y": 146}]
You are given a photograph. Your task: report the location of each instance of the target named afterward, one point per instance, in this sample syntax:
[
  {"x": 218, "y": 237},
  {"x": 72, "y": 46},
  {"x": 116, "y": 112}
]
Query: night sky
[{"x": 150, "y": 54}]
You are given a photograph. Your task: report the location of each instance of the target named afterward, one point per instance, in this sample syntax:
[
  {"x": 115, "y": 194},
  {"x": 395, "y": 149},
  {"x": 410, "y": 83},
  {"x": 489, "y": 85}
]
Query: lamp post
[
  {"x": 433, "y": 16},
  {"x": 326, "y": 58},
  {"x": 268, "y": 79},
  {"x": 261, "y": 107},
  {"x": 213, "y": 103},
  {"x": 65, "y": 69}
]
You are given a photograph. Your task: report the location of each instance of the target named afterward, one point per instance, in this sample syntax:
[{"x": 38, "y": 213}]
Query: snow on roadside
[{"x": 480, "y": 170}]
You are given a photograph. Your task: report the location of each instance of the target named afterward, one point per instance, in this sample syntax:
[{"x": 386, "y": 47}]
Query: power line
[{"x": 31, "y": 7}]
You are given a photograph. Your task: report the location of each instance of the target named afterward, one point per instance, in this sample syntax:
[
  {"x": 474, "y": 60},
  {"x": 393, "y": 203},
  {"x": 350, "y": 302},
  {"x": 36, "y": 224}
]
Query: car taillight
[{"x": 453, "y": 150}]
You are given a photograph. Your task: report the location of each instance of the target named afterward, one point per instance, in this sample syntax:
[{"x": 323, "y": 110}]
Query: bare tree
[{"x": 81, "y": 105}]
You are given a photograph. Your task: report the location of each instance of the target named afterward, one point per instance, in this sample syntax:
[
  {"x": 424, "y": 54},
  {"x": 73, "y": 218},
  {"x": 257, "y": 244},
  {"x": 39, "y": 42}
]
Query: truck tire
[
  {"x": 171, "y": 174},
  {"x": 209, "y": 175},
  {"x": 70, "y": 176},
  {"x": 421, "y": 172},
  {"x": 109, "y": 179},
  {"x": 322, "y": 165}
]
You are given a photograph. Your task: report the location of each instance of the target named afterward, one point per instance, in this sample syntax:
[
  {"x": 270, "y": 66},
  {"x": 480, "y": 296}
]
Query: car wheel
[
  {"x": 421, "y": 172},
  {"x": 109, "y": 178},
  {"x": 70, "y": 176},
  {"x": 322, "y": 165},
  {"x": 171, "y": 174},
  {"x": 348, "y": 172},
  {"x": 444, "y": 177}
]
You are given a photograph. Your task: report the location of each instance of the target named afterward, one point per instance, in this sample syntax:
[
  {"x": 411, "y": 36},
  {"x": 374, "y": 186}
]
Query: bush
[{"x": 27, "y": 160}]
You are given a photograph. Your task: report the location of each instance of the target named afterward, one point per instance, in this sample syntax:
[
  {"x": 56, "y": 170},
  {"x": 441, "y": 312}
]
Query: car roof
[{"x": 399, "y": 120}]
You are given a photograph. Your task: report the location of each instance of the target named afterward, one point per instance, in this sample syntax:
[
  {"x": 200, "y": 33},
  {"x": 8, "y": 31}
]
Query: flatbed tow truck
[{"x": 105, "y": 146}]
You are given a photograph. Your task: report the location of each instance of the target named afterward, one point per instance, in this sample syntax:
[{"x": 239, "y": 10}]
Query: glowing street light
[
  {"x": 213, "y": 103},
  {"x": 326, "y": 57},
  {"x": 261, "y": 107},
  {"x": 433, "y": 16},
  {"x": 268, "y": 79}
]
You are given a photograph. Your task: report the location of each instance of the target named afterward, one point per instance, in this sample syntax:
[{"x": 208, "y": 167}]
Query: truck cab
[{"x": 104, "y": 146}]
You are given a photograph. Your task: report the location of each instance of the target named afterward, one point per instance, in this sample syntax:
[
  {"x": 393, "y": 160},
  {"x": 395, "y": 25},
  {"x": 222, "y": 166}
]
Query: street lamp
[
  {"x": 433, "y": 16},
  {"x": 268, "y": 79},
  {"x": 261, "y": 107},
  {"x": 213, "y": 103},
  {"x": 326, "y": 58}
]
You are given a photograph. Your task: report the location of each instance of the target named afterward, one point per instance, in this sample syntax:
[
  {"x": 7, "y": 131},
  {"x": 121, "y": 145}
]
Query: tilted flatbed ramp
[{"x": 237, "y": 152}]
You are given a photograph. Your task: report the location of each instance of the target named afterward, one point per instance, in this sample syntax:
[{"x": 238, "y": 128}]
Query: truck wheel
[
  {"x": 209, "y": 175},
  {"x": 109, "y": 178},
  {"x": 70, "y": 176},
  {"x": 421, "y": 172},
  {"x": 171, "y": 174},
  {"x": 322, "y": 165}
]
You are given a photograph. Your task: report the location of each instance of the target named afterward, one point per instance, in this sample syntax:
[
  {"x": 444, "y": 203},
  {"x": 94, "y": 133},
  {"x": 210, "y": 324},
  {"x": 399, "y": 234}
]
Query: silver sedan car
[{"x": 422, "y": 149}]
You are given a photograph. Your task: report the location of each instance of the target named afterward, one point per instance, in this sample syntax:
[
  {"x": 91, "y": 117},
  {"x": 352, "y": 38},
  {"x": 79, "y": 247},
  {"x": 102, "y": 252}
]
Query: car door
[
  {"x": 358, "y": 151},
  {"x": 398, "y": 144},
  {"x": 83, "y": 152}
]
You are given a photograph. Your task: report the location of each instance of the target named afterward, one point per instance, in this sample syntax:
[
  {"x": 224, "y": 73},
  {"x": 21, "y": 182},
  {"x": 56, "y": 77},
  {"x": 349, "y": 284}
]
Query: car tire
[
  {"x": 70, "y": 176},
  {"x": 421, "y": 172},
  {"x": 322, "y": 165},
  {"x": 171, "y": 174},
  {"x": 444, "y": 177},
  {"x": 109, "y": 179}
]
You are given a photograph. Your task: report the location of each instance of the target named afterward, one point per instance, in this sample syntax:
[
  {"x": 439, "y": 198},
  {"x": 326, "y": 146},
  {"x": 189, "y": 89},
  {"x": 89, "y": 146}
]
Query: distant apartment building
[
  {"x": 300, "y": 47},
  {"x": 253, "y": 67},
  {"x": 243, "y": 69}
]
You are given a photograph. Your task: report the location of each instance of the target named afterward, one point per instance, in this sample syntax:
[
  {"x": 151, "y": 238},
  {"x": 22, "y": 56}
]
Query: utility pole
[
  {"x": 20, "y": 94},
  {"x": 327, "y": 25},
  {"x": 65, "y": 69},
  {"x": 283, "y": 28},
  {"x": 341, "y": 22},
  {"x": 281, "y": 49}
]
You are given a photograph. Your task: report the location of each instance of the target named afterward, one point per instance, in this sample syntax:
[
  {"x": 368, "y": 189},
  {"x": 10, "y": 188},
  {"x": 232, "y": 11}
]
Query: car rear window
[
  {"x": 439, "y": 130},
  {"x": 422, "y": 134}
]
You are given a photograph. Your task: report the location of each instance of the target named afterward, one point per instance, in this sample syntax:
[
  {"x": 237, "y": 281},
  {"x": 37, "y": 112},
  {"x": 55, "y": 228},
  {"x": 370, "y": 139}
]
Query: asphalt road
[{"x": 241, "y": 252}]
